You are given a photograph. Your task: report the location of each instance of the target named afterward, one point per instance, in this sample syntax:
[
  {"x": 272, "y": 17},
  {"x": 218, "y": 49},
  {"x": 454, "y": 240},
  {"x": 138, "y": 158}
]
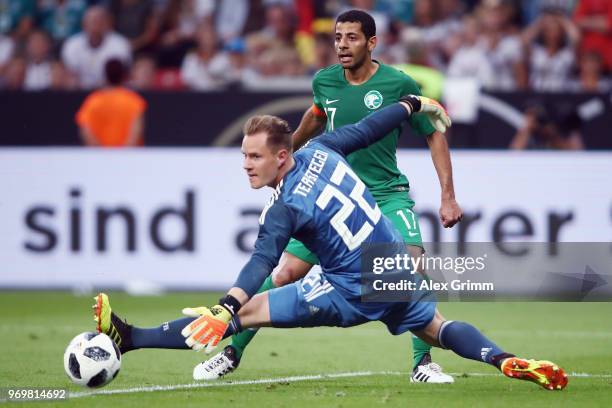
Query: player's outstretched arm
[
  {"x": 312, "y": 122},
  {"x": 374, "y": 127}
]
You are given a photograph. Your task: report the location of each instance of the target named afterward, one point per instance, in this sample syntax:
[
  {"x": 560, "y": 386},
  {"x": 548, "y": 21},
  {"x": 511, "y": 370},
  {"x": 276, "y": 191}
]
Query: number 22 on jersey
[{"x": 338, "y": 221}]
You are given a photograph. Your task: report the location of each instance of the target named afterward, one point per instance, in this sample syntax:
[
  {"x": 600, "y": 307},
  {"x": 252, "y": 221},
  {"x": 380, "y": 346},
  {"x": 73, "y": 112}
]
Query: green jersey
[{"x": 345, "y": 104}]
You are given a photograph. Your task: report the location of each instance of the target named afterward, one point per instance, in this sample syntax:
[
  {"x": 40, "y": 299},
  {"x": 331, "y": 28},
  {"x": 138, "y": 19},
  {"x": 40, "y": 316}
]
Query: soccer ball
[{"x": 92, "y": 360}]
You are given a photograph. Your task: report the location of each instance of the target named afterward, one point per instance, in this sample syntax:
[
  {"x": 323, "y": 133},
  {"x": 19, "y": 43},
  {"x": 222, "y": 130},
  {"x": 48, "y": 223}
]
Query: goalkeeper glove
[
  {"x": 208, "y": 329},
  {"x": 433, "y": 111}
]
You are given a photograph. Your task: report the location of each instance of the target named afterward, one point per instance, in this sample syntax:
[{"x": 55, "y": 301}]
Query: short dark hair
[
  {"x": 277, "y": 129},
  {"x": 115, "y": 71},
  {"x": 368, "y": 26}
]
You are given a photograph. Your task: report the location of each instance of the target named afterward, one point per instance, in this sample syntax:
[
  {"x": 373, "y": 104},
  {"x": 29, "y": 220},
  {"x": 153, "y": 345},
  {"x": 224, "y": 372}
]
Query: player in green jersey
[{"x": 343, "y": 94}]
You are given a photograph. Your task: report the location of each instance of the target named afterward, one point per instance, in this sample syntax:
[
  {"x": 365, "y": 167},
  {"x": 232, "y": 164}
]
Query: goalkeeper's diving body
[
  {"x": 319, "y": 200},
  {"x": 343, "y": 94}
]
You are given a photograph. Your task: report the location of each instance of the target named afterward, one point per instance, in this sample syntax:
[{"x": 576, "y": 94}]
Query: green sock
[
  {"x": 419, "y": 349},
  {"x": 241, "y": 340}
]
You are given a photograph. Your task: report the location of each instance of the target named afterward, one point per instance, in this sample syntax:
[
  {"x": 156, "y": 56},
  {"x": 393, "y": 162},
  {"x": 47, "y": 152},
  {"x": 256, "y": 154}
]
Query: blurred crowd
[{"x": 541, "y": 45}]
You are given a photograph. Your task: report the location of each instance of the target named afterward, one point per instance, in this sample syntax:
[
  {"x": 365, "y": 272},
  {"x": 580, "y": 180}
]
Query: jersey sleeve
[
  {"x": 367, "y": 131},
  {"x": 318, "y": 112},
  {"x": 418, "y": 122},
  {"x": 277, "y": 223},
  {"x": 316, "y": 99}
]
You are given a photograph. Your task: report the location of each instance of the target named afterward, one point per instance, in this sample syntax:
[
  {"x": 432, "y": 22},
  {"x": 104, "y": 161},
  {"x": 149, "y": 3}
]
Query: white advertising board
[{"x": 186, "y": 218}]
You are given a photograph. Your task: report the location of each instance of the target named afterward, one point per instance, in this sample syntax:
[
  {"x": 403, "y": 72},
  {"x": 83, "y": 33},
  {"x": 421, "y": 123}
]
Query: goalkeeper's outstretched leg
[
  {"x": 304, "y": 305},
  {"x": 288, "y": 307},
  {"x": 468, "y": 342},
  {"x": 129, "y": 337}
]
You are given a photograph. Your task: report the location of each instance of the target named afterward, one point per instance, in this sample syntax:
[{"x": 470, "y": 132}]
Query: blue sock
[
  {"x": 166, "y": 336},
  {"x": 468, "y": 342}
]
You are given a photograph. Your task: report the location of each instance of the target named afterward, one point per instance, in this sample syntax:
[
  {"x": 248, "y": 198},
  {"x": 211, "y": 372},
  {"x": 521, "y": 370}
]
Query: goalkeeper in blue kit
[{"x": 319, "y": 200}]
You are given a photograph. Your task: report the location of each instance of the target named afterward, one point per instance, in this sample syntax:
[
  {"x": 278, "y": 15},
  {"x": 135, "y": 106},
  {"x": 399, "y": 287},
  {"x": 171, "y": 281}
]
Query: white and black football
[{"x": 92, "y": 360}]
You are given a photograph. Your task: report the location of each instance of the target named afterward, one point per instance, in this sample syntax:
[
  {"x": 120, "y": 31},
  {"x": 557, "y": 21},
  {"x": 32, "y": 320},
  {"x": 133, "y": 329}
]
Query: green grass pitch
[{"x": 35, "y": 327}]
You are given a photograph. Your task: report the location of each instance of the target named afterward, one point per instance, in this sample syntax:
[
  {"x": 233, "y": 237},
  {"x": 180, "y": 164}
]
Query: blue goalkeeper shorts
[{"x": 313, "y": 302}]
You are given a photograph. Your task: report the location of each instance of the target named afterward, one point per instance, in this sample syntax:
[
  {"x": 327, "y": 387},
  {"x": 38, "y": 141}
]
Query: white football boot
[
  {"x": 218, "y": 366},
  {"x": 428, "y": 372}
]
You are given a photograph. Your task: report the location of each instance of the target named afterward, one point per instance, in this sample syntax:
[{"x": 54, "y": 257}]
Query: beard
[{"x": 357, "y": 62}]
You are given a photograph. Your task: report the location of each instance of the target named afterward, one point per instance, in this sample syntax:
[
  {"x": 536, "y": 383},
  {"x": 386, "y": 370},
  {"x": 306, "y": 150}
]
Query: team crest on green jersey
[{"x": 373, "y": 99}]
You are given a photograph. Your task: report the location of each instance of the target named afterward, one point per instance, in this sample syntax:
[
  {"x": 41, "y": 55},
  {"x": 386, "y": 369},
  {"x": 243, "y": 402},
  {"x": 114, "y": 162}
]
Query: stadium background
[
  {"x": 181, "y": 215},
  {"x": 134, "y": 213}
]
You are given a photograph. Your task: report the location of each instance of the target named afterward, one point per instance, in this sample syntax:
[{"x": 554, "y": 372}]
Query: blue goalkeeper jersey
[{"x": 322, "y": 203}]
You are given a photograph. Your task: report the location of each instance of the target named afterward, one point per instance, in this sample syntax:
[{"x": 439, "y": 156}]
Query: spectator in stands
[
  {"x": 230, "y": 19},
  {"x": 594, "y": 18},
  {"x": 112, "y": 116},
  {"x": 179, "y": 24},
  {"x": 417, "y": 66},
  {"x": 39, "y": 62},
  {"x": 17, "y": 18},
  {"x": 86, "y": 53},
  {"x": 278, "y": 62},
  {"x": 271, "y": 53},
  {"x": 257, "y": 17},
  {"x": 143, "y": 73},
  {"x": 448, "y": 25},
  {"x": 542, "y": 131},
  {"x": 203, "y": 68},
  {"x": 14, "y": 74},
  {"x": 531, "y": 9},
  {"x": 451, "y": 23},
  {"x": 7, "y": 48},
  {"x": 61, "y": 78},
  {"x": 433, "y": 29},
  {"x": 395, "y": 52},
  {"x": 452, "y": 10},
  {"x": 324, "y": 52},
  {"x": 470, "y": 60},
  {"x": 590, "y": 74},
  {"x": 550, "y": 42},
  {"x": 502, "y": 44},
  {"x": 278, "y": 32},
  {"x": 136, "y": 20},
  {"x": 235, "y": 52},
  {"x": 400, "y": 11},
  {"x": 61, "y": 18}
]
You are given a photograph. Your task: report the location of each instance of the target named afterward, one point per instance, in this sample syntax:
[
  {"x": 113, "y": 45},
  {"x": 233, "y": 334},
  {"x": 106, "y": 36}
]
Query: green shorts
[{"x": 398, "y": 211}]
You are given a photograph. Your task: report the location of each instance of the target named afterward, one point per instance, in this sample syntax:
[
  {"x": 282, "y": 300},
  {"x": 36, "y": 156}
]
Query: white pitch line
[{"x": 298, "y": 378}]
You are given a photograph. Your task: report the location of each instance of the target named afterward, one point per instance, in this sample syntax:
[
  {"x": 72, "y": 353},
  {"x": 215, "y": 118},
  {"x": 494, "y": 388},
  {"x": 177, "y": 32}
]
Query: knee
[
  {"x": 278, "y": 278},
  {"x": 289, "y": 270},
  {"x": 283, "y": 275}
]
